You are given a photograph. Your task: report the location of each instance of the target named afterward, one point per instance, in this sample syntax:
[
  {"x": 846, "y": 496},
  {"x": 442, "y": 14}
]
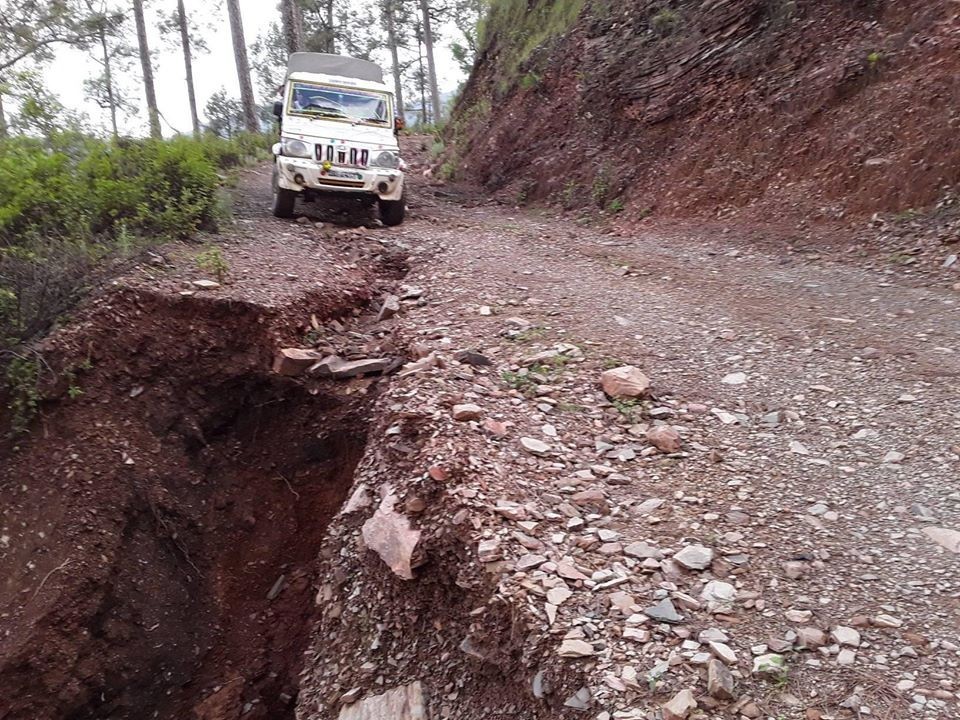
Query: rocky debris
[
  {"x": 337, "y": 368},
  {"x": 530, "y": 562},
  {"x": 466, "y": 412},
  {"x": 580, "y": 700},
  {"x": 770, "y": 665},
  {"x": 680, "y": 706},
  {"x": 642, "y": 551},
  {"x": 945, "y": 537},
  {"x": 625, "y": 382},
  {"x": 887, "y": 621},
  {"x": 665, "y": 438},
  {"x": 626, "y": 563},
  {"x": 664, "y": 611},
  {"x": 411, "y": 292},
  {"x": 389, "y": 308},
  {"x": 798, "y": 447},
  {"x": 294, "y": 361},
  {"x": 425, "y": 363},
  {"x": 534, "y": 446},
  {"x": 811, "y": 638},
  {"x": 402, "y": 703},
  {"x": 495, "y": 427},
  {"x": 389, "y": 534},
  {"x": 575, "y": 648},
  {"x": 489, "y": 550},
  {"x": 471, "y": 357},
  {"x": 846, "y": 656},
  {"x": 794, "y": 570},
  {"x": 205, "y": 284},
  {"x": 845, "y": 636},
  {"x": 694, "y": 557},
  {"x": 719, "y": 596},
  {"x": 723, "y": 652},
  {"x": 720, "y": 682}
]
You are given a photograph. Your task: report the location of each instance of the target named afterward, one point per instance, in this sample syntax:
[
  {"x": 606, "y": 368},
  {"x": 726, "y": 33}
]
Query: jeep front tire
[
  {"x": 284, "y": 200},
  {"x": 392, "y": 212}
]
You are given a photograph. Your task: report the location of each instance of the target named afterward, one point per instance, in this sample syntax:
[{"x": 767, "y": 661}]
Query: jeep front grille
[{"x": 351, "y": 157}]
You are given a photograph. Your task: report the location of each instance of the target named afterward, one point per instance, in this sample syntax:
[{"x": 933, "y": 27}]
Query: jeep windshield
[{"x": 355, "y": 106}]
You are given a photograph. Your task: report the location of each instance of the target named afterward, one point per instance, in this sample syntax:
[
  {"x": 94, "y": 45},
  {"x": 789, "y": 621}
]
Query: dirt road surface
[
  {"x": 816, "y": 398},
  {"x": 805, "y": 506}
]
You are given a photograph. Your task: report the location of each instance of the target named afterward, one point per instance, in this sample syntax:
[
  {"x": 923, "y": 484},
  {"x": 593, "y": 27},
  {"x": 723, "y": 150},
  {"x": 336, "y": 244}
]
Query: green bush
[{"x": 70, "y": 201}]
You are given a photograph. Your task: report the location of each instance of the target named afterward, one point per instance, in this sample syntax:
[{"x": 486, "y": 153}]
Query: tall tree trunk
[
  {"x": 331, "y": 35},
  {"x": 243, "y": 67},
  {"x": 152, "y": 111},
  {"x": 394, "y": 54},
  {"x": 3, "y": 119},
  {"x": 421, "y": 76},
  {"x": 188, "y": 66},
  {"x": 292, "y": 25},
  {"x": 108, "y": 81},
  {"x": 431, "y": 65}
]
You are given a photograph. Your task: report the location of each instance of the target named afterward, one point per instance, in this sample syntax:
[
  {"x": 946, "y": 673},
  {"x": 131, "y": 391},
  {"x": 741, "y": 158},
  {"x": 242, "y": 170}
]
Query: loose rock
[
  {"x": 466, "y": 412},
  {"x": 625, "y": 382},
  {"x": 664, "y": 438},
  {"x": 694, "y": 557},
  {"x": 720, "y": 682},
  {"x": 682, "y": 704}
]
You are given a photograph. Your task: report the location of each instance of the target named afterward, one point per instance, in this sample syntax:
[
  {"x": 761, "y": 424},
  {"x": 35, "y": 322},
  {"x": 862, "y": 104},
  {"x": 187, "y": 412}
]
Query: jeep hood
[{"x": 317, "y": 129}]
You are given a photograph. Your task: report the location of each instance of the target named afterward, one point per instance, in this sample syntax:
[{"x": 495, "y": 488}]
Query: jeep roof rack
[{"x": 340, "y": 65}]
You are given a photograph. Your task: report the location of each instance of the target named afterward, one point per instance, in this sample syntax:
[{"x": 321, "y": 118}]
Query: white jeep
[{"x": 338, "y": 135}]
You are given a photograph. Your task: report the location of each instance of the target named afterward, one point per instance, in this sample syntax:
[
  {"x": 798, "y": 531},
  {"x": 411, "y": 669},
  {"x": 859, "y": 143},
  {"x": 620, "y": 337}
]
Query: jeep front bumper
[{"x": 302, "y": 174}]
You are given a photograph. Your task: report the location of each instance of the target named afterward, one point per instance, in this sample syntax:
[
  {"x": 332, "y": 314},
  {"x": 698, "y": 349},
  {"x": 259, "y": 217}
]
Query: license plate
[{"x": 345, "y": 174}]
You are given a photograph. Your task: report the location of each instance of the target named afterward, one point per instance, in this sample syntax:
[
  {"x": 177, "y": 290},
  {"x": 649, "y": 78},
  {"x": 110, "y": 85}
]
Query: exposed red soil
[
  {"x": 769, "y": 110},
  {"x": 160, "y": 522},
  {"x": 149, "y": 519}
]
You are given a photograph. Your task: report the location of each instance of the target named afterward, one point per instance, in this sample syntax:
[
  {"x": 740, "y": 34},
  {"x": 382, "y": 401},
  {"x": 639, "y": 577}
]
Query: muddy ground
[{"x": 170, "y": 540}]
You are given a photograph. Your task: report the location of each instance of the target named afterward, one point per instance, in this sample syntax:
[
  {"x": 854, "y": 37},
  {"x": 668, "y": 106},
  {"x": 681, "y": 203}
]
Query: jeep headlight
[
  {"x": 296, "y": 148},
  {"x": 386, "y": 159}
]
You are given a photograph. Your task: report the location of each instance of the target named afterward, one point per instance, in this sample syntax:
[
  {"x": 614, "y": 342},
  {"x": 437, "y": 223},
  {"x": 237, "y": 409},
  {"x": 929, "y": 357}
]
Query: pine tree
[
  {"x": 30, "y": 29},
  {"x": 431, "y": 62},
  {"x": 250, "y": 118},
  {"x": 146, "y": 65},
  {"x": 184, "y": 28},
  {"x": 292, "y": 15},
  {"x": 109, "y": 51}
]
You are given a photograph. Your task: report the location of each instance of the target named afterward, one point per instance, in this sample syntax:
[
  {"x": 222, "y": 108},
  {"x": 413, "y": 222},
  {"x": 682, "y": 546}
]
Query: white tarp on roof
[{"x": 339, "y": 65}]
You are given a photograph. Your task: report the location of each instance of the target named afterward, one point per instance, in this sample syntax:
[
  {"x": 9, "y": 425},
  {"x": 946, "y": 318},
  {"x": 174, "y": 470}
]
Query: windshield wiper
[{"x": 376, "y": 120}]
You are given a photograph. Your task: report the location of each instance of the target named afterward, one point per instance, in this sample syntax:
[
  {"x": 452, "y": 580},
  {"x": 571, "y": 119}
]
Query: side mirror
[
  {"x": 278, "y": 109},
  {"x": 277, "y": 149}
]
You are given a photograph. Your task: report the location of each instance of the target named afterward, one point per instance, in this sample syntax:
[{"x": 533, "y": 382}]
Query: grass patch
[
  {"x": 600, "y": 188},
  {"x": 211, "y": 261},
  {"x": 627, "y": 407},
  {"x": 520, "y": 27},
  {"x": 519, "y": 381},
  {"x": 528, "y": 335},
  {"x": 22, "y": 379},
  {"x": 665, "y": 22}
]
